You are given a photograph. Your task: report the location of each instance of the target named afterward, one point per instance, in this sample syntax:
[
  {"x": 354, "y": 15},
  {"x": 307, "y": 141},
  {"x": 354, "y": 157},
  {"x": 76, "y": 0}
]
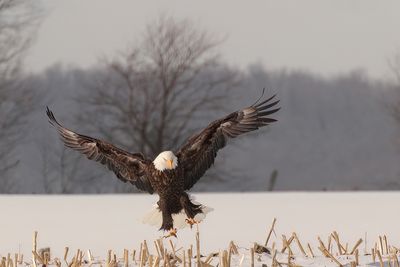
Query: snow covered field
[{"x": 103, "y": 222}]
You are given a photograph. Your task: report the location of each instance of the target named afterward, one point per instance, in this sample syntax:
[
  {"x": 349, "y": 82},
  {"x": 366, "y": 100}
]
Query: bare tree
[
  {"x": 63, "y": 172},
  {"x": 150, "y": 98},
  {"x": 17, "y": 24}
]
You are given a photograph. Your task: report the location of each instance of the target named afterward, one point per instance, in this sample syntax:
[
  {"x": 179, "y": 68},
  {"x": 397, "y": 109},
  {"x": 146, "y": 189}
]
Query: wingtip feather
[
  {"x": 265, "y": 101},
  {"x": 268, "y": 112},
  {"x": 52, "y": 118},
  {"x": 270, "y": 105}
]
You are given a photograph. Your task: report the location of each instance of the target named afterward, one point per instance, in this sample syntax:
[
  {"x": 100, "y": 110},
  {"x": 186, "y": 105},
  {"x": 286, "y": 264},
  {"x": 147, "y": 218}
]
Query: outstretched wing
[
  {"x": 199, "y": 152},
  {"x": 127, "y": 167}
]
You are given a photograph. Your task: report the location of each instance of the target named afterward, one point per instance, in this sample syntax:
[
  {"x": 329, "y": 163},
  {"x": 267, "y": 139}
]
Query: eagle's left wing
[
  {"x": 199, "y": 152},
  {"x": 128, "y": 167}
]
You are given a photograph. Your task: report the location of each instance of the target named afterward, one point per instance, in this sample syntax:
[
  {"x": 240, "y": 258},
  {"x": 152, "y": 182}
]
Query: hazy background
[{"x": 334, "y": 65}]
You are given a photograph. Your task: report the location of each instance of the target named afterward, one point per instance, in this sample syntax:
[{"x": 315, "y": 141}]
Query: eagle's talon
[
  {"x": 171, "y": 232},
  {"x": 191, "y": 221}
]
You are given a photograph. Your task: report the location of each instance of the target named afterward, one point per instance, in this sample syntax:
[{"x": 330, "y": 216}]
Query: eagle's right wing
[
  {"x": 126, "y": 166},
  {"x": 199, "y": 152}
]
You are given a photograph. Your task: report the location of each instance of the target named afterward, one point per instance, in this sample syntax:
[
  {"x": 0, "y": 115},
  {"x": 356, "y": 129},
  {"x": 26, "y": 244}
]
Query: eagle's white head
[{"x": 165, "y": 161}]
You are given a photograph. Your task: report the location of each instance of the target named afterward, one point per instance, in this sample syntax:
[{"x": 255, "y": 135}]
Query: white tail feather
[{"x": 154, "y": 216}]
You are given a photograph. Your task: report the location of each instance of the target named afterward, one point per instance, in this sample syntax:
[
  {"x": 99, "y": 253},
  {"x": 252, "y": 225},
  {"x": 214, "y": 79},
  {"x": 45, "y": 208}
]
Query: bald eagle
[{"x": 170, "y": 174}]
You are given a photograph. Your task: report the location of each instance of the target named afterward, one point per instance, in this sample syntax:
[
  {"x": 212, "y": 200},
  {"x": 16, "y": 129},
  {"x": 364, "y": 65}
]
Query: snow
[{"x": 104, "y": 222}]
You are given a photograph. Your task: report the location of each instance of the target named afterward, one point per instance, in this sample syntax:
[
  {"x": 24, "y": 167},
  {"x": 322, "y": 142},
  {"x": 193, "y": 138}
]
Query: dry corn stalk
[
  {"x": 66, "y": 249},
  {"x": 134, "y": 256},
  {"x": 145, "y": 251},
  {"x": 167, "y": 260},
  {"x": 396, "y": 260},
  {"x": 150, "y": 260},
  {"x": 335, "y": 236},
  {"x": 386, "y": 244},
  {"x": 356, "y": 245},
  {"x": 286, "y": 244},
  {"x": 141, "y": 255},
  {"x": 274, "y": 258},
  {"x": 157, "y": 249},
  {"x": 311, "y": 252},
  {"x": 322, "y": 244},
  {"x": 190, "y": 256},
  {"x": 37, "y": 257},
  {"x": 380, "y": 258},
  {"x": 221, "y": 258},
  {"x": 323, "y": 250},
  {"x": 225, "y": 258},
  {"x": 126, "y": 258},
  {"x": 252, "y": 257},
  {"x": 203, "y": 264},
  {"x": 329, "y": 248},
  {"x": 78, "y": 257},
  {"x": 198, "y": 245},
  {"x": 34, "y": 241},
  {"x": 229, "y": 257},
  {"x": 356, "y": 256},
  {"x": 34, "y": 247},
  {"x": 156, "y": 262},
  {"x": 9, "y": 261},
  {"x": 299, "y": 244},
  {"x": 270, "y": 232},
  {"x": 381, "y": 245},
  {"x": 172, "y": 248},
  {"x": 161, "y": 247},
  {"x": 90, "y": 256},
  {"x": 109, "y": 252},
  {"x": 233, "y": 248},
  {"x": 209, "y": 258},
  {"x": 373, "y": 255}
]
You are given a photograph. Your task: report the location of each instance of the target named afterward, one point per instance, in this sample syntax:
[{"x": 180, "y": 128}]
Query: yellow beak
[{"x": 170, "y": 163}]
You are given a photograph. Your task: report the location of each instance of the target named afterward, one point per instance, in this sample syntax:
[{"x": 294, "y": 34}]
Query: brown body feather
[{"x": 194, "y": 157}]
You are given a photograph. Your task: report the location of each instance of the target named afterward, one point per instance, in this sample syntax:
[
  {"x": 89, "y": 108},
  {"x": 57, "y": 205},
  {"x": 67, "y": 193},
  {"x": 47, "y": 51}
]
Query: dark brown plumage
[
  {"x": 190, "y": 163},
  {"x": 199, "y": 152}
]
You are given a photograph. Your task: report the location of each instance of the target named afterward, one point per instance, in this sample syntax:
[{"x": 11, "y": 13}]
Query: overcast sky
[{"x": 327, "y": 37}]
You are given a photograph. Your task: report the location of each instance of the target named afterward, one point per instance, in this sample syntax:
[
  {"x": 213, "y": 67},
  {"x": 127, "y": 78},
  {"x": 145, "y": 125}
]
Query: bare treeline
[
  {"x": 18, "y": 20},
  {"x": 171, "y": 83},
  {"x": 332, "y": 134}
]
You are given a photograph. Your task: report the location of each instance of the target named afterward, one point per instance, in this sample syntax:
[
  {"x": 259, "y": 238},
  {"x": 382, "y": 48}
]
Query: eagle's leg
[
  {"x": 191, "y": 222},
  {"x": 190, "y": 209},
  {"x": 167, "y": 222}
]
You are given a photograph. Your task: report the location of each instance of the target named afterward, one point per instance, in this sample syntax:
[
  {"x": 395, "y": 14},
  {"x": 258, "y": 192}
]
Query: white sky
[{"x": 326, "y": 37}]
